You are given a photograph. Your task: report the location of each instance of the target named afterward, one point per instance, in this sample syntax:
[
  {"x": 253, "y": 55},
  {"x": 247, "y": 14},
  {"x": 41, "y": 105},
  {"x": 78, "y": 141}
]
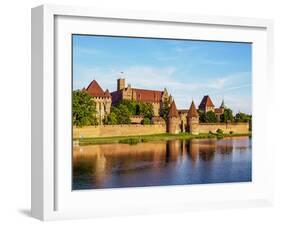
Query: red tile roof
[
  {"x": 144, "y": 95},
  {"x": 206, "y": 102},
  {"x": 95, "y": 90},
  {"x": 148, "y": 95},
  {"x": 106, "y": 93},
  {"x": 173, "y": 112},
  {"x": 192, "y": 110}
]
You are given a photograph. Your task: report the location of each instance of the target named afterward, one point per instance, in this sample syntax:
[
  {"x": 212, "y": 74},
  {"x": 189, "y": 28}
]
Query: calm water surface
[{"x": 176, "y": 162}]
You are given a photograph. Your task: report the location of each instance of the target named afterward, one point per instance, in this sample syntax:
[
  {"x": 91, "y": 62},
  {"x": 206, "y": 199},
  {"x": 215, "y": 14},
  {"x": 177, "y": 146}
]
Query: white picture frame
[{"x": 51, "y": 197}]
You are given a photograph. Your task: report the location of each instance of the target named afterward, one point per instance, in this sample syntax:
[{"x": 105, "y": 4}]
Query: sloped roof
[
  {"x": 148, "y": 95},
  {"x": 192, "y": 110},
  {"x": 106, "y": 93},
  {"x": 206, "y": 102},
  {"x": 95, "y": 90},
  {"x": 173, "y": 112},
  {"x": 144, "y": 95}
]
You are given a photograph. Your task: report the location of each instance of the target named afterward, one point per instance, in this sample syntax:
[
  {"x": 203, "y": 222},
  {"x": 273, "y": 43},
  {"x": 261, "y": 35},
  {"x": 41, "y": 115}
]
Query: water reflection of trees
[
  {"x": 101, "y": 162},
  {"x": 204, "y": 149}
]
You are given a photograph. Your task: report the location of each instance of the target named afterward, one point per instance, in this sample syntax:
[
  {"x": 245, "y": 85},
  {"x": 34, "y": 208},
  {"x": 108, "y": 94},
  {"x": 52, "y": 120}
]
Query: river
[{"x": 157, "y": 163}]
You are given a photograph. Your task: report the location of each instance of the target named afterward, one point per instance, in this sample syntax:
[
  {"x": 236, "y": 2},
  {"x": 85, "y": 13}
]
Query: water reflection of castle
[{"x": 104, "y": 157}]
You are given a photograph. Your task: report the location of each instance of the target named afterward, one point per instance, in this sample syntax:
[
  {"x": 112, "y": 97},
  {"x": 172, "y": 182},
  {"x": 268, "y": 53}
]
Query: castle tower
[
  {"x": 120, "y": 84},
  {"x": 206, "y": 104},
  {"x": 193, "y": 119},
  {"x": 173, "y": 125},
  {"x": 107, "y": 102}
]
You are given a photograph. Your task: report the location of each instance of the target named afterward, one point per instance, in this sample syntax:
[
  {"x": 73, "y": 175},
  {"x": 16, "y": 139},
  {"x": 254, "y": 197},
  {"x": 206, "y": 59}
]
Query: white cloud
[
  {"x": 87, "y": 51},
  {"x": 160, "y": 77}
]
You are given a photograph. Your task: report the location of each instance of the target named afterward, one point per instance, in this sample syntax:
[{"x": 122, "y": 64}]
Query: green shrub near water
[
  {"x": 130, "y": 141},
  {"x": 220, "y": 134},
  {"x": 219, "y": 131}
]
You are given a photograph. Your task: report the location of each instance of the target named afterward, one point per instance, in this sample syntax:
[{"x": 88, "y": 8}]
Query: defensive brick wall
[
  {"x": 117, "y": 130},
  {"x": 226, "y": 127}
]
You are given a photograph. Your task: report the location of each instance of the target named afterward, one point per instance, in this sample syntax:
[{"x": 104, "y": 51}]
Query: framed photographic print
[{"x": 137, "y": 112}]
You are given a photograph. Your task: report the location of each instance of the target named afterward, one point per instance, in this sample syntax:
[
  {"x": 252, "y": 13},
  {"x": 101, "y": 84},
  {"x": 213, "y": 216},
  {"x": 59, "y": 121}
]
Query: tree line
[
  {"x": 84, "y": 112},
  {"x": 121, "y": 113}
]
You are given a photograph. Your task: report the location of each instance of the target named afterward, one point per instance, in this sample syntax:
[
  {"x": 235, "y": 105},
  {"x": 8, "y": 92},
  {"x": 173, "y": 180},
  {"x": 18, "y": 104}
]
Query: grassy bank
[{"x": 160, "y": 137}]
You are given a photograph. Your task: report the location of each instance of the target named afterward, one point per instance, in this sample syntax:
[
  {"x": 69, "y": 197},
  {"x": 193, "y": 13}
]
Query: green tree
[
  {"x": 146, "y": 110},
  {"x": 227, "y": 116},
  {"x": 202, "y": 116},
  {"x": 209, "y": 117},
  {"x": 137, "y": 108},
  {"x": 83, "y": 109},
  {"x": 131, "y": 105},
  {"x": 164, "y": 111},
  {"x": 242, "y": 117},
  {"x": 122, "y": 114},
  {"x": 146, "y": 121},
  {"x": 111, "y": 119}
]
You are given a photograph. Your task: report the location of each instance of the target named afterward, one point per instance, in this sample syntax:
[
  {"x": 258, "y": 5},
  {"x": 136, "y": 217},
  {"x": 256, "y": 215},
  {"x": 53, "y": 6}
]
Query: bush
[
  {"x": 227, "y": 116},
  {"x": 219, "y": 131},
  {"x": 130, "y": 141},
  {"x": 220, "y": 136},
  {"x": 231, "y": 132},
  {"x": 146, "y": 121},
  {"x": 111, "y": 119},
  {"x": 208, "y": 117}
]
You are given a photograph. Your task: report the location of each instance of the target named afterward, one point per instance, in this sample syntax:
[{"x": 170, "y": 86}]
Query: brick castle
[{"x": 179, "y": 120}]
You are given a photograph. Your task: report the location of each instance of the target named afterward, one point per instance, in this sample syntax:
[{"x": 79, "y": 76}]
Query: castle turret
[
  {"x": 173, "y": 125},
  {"x": 193, "y": 119},
  {"x": 120, "y": 84}
]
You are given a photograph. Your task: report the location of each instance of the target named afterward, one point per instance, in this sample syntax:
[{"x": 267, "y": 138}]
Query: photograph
[{"x": 160, "y": 112}]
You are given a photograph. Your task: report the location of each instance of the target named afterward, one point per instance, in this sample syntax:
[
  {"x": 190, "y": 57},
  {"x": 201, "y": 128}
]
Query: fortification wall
[
  {"x": 117, "y": 130},
  {"x": 226, "y": 127}
]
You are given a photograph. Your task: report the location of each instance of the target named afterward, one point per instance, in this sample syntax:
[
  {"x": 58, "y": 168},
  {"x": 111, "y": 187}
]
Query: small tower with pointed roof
[
  {"x": 102, "y": 100},
  {"x": 192, "y": 119},
  {"x": 173, "y": 125},
  {"x": 222, "y": 104},
  {"x": 206, "y": 104}
]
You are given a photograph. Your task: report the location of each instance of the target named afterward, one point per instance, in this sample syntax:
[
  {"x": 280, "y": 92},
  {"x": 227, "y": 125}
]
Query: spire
[
  {"x": 192, "y": 110},
  {"x": 106, "y": 93},
  {"x": 170, "y": 99},
  {"x": 222, "y": 104},
  {"x": 173, "y": 112}
]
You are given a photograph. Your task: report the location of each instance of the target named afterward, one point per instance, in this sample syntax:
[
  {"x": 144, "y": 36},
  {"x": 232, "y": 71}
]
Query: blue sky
[{"x": 188, "y": 69}]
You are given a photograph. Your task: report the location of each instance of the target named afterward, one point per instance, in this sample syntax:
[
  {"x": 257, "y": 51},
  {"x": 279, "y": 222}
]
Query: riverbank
[{"x": 146, "y": 138}]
